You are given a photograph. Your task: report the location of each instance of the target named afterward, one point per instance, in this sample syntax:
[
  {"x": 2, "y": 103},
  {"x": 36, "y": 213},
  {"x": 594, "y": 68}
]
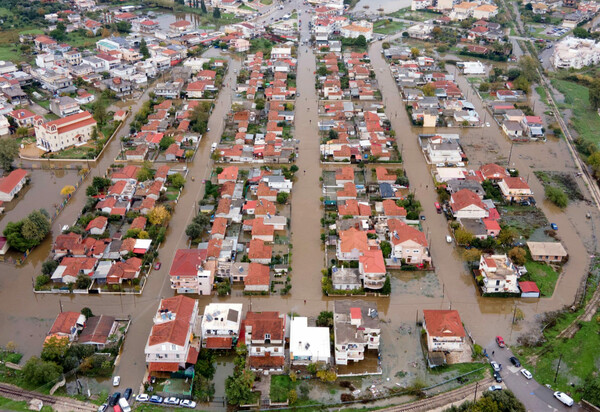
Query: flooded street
[{"x": 26, "y": 317}]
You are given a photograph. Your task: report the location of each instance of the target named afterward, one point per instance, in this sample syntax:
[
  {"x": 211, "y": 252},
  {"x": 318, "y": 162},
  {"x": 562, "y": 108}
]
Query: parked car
[
  {"x": 495, "y": 388},
  {"x": 564, "y": 398},
  {"x": 554, "y": 226},
  {"x": 171, "y": 401},
  {"x": 498, "y": 377},
  {"x": 156, "y": 399},
  {"x": 526, "y": 373},
  {"x": 157, "y": 265},
  {"x": 186, "y": 403},
  {"x": 114, "y": 399},
  {"x": 124, "y": 405},
  {"x": 496, "y": 366},
  {"x": 500, "y": 341},
  {"x": 116, "y": 380},
  {"x": 515, "y": 361},
  {"x": 448, "y": 239},
  {"x": 142, "y": 397},
  {"x": 103, "y": 407},
  {"x": 440, "y": 164},
  {"x": 127, "y": 393}
]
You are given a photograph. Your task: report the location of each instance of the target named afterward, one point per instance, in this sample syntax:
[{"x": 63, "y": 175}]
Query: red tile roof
[
  {"x": 64, "y": 322},
  {"x": 443, "y": 323},
  {"x": 258, "y": 275},
  {"x": 8, "y": 183},
  {"x": 401, "y": 232},
  {"x": 163, "y": 366},
  {"x": 215, "y": 342},
  {"x": 186, "y": 262}
]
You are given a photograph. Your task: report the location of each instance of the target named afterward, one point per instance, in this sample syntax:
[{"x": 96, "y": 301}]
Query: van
[
  {"x": 564, "y": 398},
  {"x": 124, "y": 405}
]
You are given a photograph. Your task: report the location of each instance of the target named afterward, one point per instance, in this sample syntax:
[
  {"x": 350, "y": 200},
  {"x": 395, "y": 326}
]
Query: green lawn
[
  {"x": 543, "y": 275},
  {"x": 9, "y": 52},
  {"x": 266, "y": 2},
  {"x": 585, "y": 120},
  {"x": 280, "y": 387},
  {"x": 580, "y": 355},
  {"x": 244, "y": 7},
  {"x": 385, "y": 27},
  {"x": 460, "y": 369},
  {"x": 10, "y": 405},
  {"x": 542, "y": 93}
]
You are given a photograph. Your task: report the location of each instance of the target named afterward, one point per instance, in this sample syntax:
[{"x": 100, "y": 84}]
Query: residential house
[
  {"x": 308, "y": 344},
  {"x": 221, "y": 325},
  {"x": 444, "y": 332},
  {"x": 12, "y": 184},
  {"x": 498, "y": 274},
  {"x": 356, "y": 329},
  {"x": 264, "y": 335},
  {"x": 549, "y": 252},
  {"x": 466, "y": 204},
  {"x": 515, "y": 189},
  {"x": 187, "y": 273},
  {"x": 98, "y": 331},
  {"x": 258, "y": 278},
  {"x": 64, "y": 106},
  {"x": 67, "y": 325},
  {"x": 169, "y": 346},
  {"x": 408, "y": 243}
]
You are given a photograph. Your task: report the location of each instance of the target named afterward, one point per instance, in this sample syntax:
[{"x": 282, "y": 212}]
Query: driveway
[{"x": 535, "y": 397}]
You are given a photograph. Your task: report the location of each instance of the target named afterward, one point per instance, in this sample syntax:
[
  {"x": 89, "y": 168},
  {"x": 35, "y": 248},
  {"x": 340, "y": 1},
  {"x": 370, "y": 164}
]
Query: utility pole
[
  {"x": 60, "y": 303},
  {"x": 557, "y": 367},
  {"x": 510, "y": 153},
  {"x": 475, "y": 397}
]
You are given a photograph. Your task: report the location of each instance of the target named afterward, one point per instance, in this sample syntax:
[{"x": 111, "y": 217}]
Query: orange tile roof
[
  {"x": 258, "y": 275},
  {"x": 372, "y": 261},
  {"x": 259, "y": 250},
  {"x": 353, "y": 239},
  {"x": 443, "y": 323},
  {"x": 401, "y": 232}
]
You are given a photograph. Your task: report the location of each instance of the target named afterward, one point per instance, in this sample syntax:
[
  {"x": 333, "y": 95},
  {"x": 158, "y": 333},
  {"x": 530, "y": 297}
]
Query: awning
[
  {"x": 218, "y": 343},
  {"x": 192, "y": 356},
  {"x": 163, "y": 366}
]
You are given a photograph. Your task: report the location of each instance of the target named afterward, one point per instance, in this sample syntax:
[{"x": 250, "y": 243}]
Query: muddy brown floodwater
[{"x": 25, "y": 317}]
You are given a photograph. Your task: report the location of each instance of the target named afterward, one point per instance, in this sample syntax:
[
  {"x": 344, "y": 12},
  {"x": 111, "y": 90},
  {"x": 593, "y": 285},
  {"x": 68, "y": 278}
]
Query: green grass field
[
  {"x": 385, "y": 27},
  {"x": 280, "y": 387},
  {"x": 10, "y": 405},
  {"x": 543, "y": 275},
  {"x": 585, "y": 120}
]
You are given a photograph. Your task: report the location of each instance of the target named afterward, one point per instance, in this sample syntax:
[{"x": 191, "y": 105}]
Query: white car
[
  {"x": 116, "y": 380},
  {"x": 495, "y": 388},
  {"x": 440, "y": 164},
  {"x": 496, "y": 366},
  {"x": 487, "y": 124},
  {"x": 526, "y": 373},
  {"x": 449, "y": 240},
  {"x": 142, "y": 397},
  {"x": 171, "y": 401},
  {"x": 186, "y": 403},
  {"x": 460, "y": 164},
  {"x": 564, "y": 398}
]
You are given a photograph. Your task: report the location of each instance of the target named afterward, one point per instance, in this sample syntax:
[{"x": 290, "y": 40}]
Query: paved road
[{"x": 534, "y": 396}]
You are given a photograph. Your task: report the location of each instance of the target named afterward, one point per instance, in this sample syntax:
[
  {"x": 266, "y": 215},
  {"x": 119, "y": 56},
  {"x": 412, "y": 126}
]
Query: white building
[
  {"x": 62, "y": 133},
  {"x": 471, "y": 67},
  {"x": 358, "y": 28},
  {"x": 308, "y": 344},
  {"x": 4, "y": 125},
  {"x": 221, "y": 325},
  {"x": 575, "y": 53},
  {"x": 12, "y": 184},
  {"x": 169, "y": 346},
  {"x": 356, "y": 328},
  {"x": 499, "y": 275}
]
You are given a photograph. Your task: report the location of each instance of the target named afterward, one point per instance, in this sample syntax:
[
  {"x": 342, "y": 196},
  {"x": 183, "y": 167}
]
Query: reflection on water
[{"x": 388, "y": 6}]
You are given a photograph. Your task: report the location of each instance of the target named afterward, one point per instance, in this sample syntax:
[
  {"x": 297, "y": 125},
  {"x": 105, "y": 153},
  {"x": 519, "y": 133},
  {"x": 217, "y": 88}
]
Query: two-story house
[
  {"x": 444, "y": 333},
  {"x": 264, "y": 335},
  {"x": 498, "y": 274},
  {"x": 408, "y": 243},
  {"x": 221, "y": 325},
  {"x": 187, "y": 273}
]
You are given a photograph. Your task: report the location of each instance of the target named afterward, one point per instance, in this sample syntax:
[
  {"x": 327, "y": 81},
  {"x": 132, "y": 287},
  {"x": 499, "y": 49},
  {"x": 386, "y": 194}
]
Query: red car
[
  {"x": 500, "y": 341},
  {"x": 157, "y": 266}
]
